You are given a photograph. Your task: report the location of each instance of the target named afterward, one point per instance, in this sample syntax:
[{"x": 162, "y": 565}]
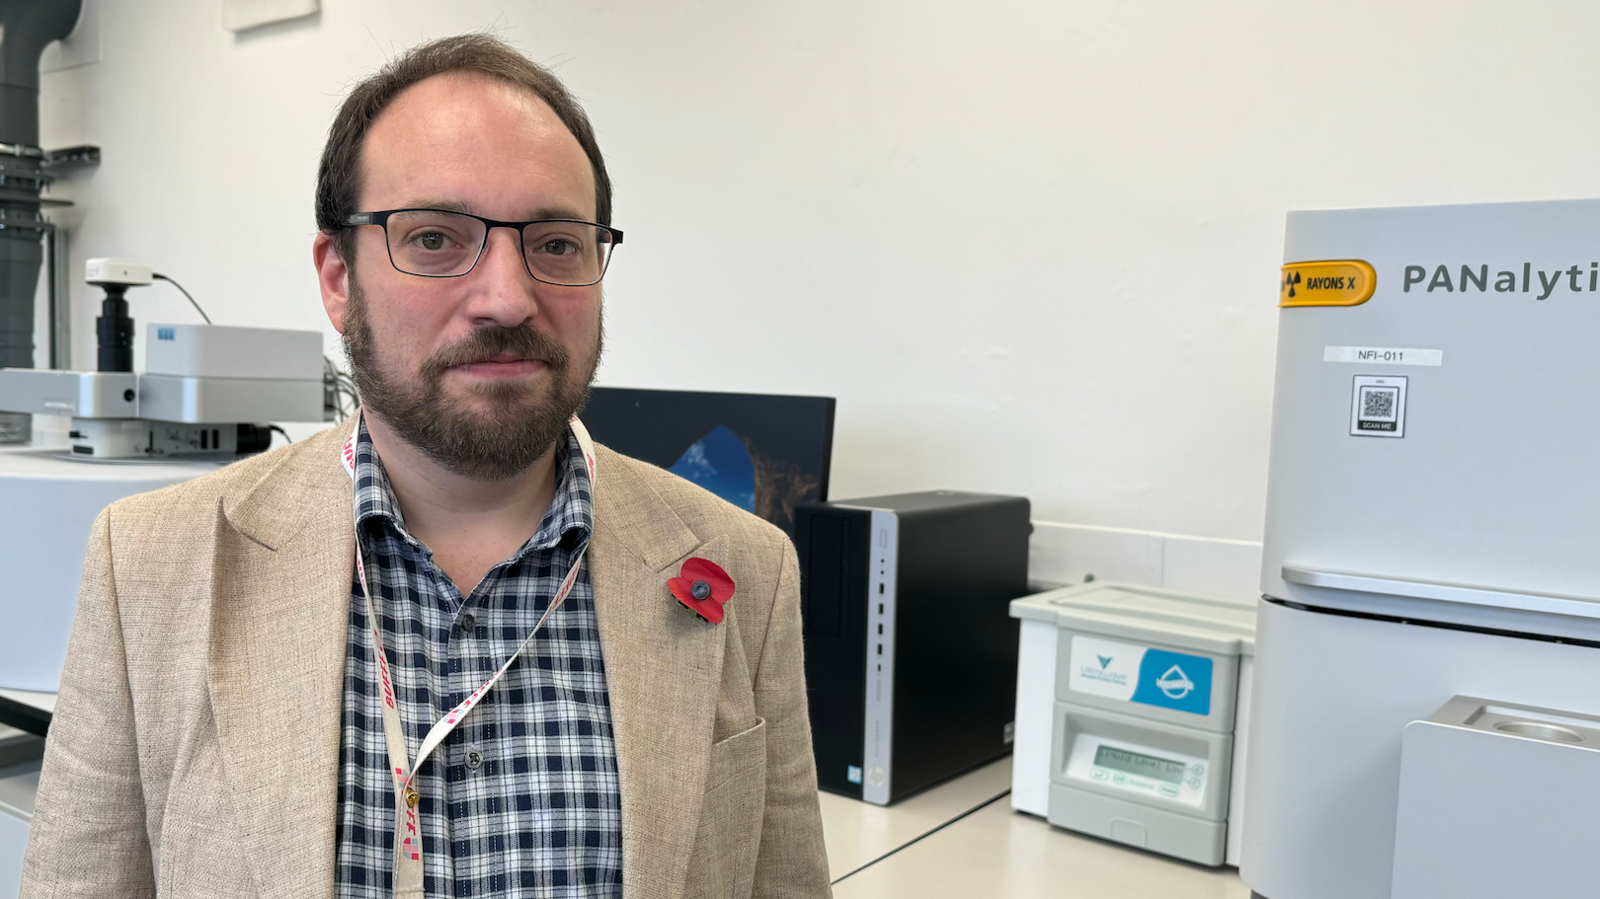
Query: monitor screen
[{"x": 763, "y": 453}]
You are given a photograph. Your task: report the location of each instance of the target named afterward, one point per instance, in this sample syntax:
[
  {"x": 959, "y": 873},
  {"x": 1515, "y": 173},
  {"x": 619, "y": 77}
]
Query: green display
[{"x": 1138, "y": 763}]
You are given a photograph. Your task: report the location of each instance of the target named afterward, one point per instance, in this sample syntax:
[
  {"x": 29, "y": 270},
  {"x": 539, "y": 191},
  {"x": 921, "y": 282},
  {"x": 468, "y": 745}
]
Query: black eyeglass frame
[{"x": 381, "y": 219}]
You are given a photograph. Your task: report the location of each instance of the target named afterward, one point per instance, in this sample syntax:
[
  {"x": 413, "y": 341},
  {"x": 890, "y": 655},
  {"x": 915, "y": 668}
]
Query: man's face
[{"x": 479, "y": 372}]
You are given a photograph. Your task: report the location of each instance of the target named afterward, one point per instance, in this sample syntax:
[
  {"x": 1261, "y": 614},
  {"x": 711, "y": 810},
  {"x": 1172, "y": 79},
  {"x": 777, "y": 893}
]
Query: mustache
[{"x": 486, "y": 343}]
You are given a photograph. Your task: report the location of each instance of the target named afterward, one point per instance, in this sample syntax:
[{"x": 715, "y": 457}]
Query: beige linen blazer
[{"x": 195, "y": 745}]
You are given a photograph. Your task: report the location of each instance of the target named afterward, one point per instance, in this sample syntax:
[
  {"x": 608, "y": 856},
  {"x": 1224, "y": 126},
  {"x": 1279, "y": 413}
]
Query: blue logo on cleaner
[
  {"x": 1173, "y": 680},
  {"x": 166, "y": 333}
]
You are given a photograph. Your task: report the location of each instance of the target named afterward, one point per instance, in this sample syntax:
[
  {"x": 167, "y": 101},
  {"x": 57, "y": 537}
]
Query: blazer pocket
[{"x": 729, "y": 836}]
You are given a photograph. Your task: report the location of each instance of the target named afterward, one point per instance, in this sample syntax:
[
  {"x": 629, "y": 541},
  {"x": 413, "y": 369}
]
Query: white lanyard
[{"x": 407, "y": 833}]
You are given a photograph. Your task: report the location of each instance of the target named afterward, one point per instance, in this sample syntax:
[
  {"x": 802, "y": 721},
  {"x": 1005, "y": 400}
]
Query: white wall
[{"x": 1030, "y": 246}]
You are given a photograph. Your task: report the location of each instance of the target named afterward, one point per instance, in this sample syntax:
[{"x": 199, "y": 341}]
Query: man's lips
[{"x": 504, "y": 365}]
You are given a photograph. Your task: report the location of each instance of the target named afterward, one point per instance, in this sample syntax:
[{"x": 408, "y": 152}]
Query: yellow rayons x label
[{"x": 1340, "y": 282}]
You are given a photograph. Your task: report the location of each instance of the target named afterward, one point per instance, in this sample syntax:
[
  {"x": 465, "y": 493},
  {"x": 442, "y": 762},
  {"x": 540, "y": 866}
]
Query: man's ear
[{"x": 333, "y": 278}]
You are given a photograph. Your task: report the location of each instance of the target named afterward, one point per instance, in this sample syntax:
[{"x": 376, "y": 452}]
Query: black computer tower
[{"x": 911, "y": 651}]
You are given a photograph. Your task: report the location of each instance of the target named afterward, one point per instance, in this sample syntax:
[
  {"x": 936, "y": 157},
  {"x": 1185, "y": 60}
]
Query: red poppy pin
[{"x": 702, "y": 587}]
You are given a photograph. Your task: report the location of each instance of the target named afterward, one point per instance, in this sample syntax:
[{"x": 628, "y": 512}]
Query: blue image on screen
[
  {"x": 720, "y": 463},
  {"x": 787, "y": 440}
]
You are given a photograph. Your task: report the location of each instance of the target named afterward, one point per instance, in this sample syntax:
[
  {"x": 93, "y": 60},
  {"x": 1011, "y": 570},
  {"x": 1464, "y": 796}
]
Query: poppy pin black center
[{"x": 700, "y": 590}]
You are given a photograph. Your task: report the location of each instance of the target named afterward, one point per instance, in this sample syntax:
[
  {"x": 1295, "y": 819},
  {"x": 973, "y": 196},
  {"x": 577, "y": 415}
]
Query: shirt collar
[{"x": 568, "y": 521}]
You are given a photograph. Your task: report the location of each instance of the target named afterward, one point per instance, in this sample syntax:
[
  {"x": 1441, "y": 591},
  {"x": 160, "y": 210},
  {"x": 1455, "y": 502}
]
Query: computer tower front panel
[
  {"x": 834, "y": 549},
  {"x": 882, "y": 556}
]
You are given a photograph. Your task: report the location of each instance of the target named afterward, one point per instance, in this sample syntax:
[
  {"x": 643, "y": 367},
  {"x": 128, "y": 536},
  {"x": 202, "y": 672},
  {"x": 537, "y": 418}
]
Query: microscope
[{"x": 206, "y": 391}]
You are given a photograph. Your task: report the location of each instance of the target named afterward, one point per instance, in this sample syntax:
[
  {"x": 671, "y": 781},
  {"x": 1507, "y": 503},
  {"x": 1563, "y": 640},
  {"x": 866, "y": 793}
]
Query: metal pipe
[
  {"x": 55, "y": 257},
  {"x": 26, "y": 26}
]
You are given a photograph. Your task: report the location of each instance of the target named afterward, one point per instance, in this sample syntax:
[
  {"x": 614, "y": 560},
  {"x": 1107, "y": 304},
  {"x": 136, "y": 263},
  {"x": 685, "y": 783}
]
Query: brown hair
[{"x": 339, "y": 174}]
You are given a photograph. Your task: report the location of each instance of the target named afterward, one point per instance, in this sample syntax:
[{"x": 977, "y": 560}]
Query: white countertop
[
  {"x": 958, "y": 839},
  {"x": 962, "y": 839},
  {"x": 46, "y": 701},
  {"x": 858, "y": 833}
]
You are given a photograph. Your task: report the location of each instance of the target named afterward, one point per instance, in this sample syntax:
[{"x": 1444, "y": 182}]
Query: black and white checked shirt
[{"x": 521, "y": 799}]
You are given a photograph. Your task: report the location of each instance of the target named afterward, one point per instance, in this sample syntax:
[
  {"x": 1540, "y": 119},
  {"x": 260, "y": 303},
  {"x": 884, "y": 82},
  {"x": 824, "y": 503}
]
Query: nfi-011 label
[{"x": 1143, "y": 674}]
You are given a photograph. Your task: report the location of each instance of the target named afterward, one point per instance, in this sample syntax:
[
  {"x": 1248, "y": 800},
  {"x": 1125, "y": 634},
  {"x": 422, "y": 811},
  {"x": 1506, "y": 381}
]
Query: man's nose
[{"x": 504, "y": 292}]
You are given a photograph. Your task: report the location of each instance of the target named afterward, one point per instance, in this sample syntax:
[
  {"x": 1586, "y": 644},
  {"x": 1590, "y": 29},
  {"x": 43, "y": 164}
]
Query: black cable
[
  {"x": 197, "y": 308},
  {"x": 342, "y": 386},
  {"x": 285, "y": 434}
]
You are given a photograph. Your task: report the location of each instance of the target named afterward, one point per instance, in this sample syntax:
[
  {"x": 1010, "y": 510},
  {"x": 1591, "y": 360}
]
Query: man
[{"x": 232, "y": 723}]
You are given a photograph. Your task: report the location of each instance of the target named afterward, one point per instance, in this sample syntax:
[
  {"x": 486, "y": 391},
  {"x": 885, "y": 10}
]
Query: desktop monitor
[{"x": 764, "y": 453}]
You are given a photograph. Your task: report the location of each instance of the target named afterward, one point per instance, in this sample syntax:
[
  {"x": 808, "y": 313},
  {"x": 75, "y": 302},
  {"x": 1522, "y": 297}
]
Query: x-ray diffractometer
[{"x": 1428, "y": 647}]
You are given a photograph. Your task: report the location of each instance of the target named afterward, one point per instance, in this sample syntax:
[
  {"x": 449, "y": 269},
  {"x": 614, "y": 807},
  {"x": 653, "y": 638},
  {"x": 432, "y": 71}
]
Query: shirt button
[
  {"x": 468, "y": 623},
  {"x": 474, "y": 759}
]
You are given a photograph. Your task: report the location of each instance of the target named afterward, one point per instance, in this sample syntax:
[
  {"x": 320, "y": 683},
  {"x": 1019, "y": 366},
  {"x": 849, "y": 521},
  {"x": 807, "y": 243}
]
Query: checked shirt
[{"x": 521, "y": 799}]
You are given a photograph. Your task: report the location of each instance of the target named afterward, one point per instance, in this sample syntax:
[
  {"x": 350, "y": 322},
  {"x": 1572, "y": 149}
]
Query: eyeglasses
[{"x": 436, "y": 243}]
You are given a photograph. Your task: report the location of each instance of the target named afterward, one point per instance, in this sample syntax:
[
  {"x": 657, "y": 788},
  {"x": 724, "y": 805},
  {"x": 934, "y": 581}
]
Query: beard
[{"x": 520, "y": 425}]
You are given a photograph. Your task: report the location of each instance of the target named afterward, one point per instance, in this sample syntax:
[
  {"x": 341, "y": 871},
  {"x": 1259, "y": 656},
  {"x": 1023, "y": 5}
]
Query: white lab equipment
[
  {"x": 204, "y": 391},
  {"x": 1433, "y": 516},
  {"x": 51, "y": 502},
  {"x": 1534, "y": 777},
  {"x": 1128, "y": 703}
]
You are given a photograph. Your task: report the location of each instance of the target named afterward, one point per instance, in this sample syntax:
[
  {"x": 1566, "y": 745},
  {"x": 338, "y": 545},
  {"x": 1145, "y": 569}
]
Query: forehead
[{"x": 469, "y": 140}]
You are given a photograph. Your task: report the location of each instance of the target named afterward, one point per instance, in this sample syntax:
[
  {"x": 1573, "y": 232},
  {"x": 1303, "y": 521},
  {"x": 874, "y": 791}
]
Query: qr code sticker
[
  {"x": 1378, "y": 408},
  {"x": 1378, "y": 403}
]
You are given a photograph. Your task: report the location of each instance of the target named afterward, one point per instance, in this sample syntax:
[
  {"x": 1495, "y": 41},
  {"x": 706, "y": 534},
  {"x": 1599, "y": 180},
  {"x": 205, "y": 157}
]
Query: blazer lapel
[
  {"x": 280, "y": 611},
  {"x": 663, "y": 672}
]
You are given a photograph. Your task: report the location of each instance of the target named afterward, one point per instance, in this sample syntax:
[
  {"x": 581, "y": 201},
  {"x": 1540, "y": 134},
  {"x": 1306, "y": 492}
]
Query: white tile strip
[{"x": 1066, "y": 553}]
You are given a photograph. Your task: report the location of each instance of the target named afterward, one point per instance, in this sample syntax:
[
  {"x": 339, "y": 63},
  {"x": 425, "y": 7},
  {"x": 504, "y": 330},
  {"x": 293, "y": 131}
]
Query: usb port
[
  {"x": 880, "y": 588},
  {"x": 880, "y": 649}
]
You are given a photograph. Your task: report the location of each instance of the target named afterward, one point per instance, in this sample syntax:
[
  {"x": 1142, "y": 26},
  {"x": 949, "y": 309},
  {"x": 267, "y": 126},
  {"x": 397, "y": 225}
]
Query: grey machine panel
[
  {"x": 223, "y": 400},
  {"x": 1497, "y": 800},
  {"x": 82, "y": 394},
  {"x": 1333, "y": 696},
  {"x": 1496, "y": 431},
  {"x": 1452, "y": 555},
  {"x": 177, "y": 398},
  {"x": 1188, "y": 821}
]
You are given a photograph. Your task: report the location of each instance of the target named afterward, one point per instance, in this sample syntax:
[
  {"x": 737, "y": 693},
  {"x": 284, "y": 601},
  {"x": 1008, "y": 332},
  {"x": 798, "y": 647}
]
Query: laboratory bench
[
  {"x": 957, "y": 839},
  {"x": 962, "y": 838}
]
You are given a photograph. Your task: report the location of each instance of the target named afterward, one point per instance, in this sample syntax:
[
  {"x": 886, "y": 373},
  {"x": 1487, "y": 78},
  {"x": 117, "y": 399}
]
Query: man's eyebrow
[
  {"x": 558, "y": 212},
  {"x": 446, "y": 205}
]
